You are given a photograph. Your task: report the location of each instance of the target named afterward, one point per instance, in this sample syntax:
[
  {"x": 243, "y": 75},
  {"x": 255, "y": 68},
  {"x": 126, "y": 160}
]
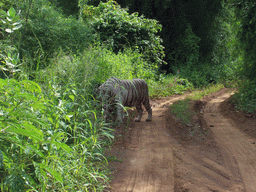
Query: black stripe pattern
[{"x": 127, "y": 93}]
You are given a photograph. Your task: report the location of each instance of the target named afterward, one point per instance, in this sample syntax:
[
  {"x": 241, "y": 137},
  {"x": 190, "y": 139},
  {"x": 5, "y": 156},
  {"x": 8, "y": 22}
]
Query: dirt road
[
  {"x": 157, "y": 157},
  {"x": 238, "y": 146}
]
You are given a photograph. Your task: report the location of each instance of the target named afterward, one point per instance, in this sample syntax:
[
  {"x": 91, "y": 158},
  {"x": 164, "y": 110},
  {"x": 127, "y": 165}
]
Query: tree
[{"x": 175, "y": 16}]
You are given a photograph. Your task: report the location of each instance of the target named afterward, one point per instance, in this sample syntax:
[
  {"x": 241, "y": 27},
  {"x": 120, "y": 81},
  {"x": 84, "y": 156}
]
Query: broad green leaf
[
  {"x": 54, "y": 173},
  {"x": 29, "y": 131},
  {"x": 33, "y": 148},
  {"x": 50, "y": 119},
  {"x": 9, "y": 30},
  {"x": 3, "y": 68},
  {"x": 11, "y": 12},
  {"x": 72, "y": 97},
  {"x": 9, "y": 19},
  {"x": 17, "y": 23},
  {"x": 67, "y": 117},
  {"x": 17, "y": 27},
  {"x": 15, "y": 70},
  {"x": 63, "y": 146},
  {"x": 31, "y": 86}
]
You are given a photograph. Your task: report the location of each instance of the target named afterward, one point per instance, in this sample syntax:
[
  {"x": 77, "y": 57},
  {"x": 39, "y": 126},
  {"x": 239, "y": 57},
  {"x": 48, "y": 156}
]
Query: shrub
[
  {"x": 46, "y": 30},
  {"x": 120, "y": 30},
  {"x": 50, "y": 139},
  {"x": 245, "y": 98}
]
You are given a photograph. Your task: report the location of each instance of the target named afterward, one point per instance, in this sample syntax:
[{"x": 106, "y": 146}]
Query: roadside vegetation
[{"x": 54, "y": 55}]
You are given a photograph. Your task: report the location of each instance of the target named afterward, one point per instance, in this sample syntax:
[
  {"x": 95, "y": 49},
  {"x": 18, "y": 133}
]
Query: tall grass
[
  {"x": 50, "y": 141},
  {"x": 53, "y": 135}
]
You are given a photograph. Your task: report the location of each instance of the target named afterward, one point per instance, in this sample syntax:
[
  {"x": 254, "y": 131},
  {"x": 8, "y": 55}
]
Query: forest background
[{"x": 55, "y": 53}]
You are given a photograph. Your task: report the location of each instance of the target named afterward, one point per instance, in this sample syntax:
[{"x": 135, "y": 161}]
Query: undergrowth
[
  {"x": 50, "y": 140},
  {"x": 245, "y": 98},
  {"x": 168, "y": 85}
]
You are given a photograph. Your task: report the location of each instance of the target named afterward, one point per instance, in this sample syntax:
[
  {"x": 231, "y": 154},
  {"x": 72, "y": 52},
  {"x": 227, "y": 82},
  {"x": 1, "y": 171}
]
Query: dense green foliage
[
  {"x": 246, "y": 24},
  {"x": 245, "y": 99},
  {"x": 175, "y": 16},
  {"x": 45, "y": 31},
  {"x": 119, "y": 30},
  {"x": 52, "y": 138},
  {"x": 47, "y": 138},
  {"x": 68, "y": 7},
  {"x": 196, "y": 36}
]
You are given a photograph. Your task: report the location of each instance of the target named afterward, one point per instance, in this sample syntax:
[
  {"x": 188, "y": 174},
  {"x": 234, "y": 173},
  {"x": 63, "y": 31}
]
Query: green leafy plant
[
  {"x": 46, "y": 31},
  {"x": 11, "y": 22},
  {"x": 8, "y": 52},
  {"x": 11, "y": 63}
]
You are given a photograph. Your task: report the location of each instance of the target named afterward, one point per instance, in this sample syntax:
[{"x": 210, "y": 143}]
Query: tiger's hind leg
[
  {"x": 140, "y": 110},
  {"x": 149, "y": 115},
  {"x": 149, "y": 110}
]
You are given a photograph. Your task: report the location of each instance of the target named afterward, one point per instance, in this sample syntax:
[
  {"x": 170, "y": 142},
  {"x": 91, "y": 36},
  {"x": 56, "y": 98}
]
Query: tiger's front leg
[
  {"x": 119, "y": 118},
  {"x": 140, "y": 110}
]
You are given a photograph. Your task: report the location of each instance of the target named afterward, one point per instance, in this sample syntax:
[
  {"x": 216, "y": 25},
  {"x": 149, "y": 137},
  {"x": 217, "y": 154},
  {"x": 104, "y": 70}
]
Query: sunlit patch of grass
[
  {"x": 200, "y": 93},
  {"x": 168, "y": 85}
]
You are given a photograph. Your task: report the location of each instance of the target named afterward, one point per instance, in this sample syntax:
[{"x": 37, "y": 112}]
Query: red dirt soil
[{"x": 216, "y": 151}]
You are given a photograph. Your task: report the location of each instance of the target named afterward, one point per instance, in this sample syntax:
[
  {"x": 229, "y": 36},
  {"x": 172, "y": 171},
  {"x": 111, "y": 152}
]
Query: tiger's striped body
[{"x": 128, "y": 93}]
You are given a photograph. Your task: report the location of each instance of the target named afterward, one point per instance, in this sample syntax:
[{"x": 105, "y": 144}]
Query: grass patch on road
[{"x": 200, "y": 93}]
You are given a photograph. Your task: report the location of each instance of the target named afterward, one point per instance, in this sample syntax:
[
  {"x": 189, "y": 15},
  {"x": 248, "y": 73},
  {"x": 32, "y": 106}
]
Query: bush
[
  {"x": 119, "y": 29},
  {"x": 245, "y": 98},
  {"x": 46, "y": 31}
]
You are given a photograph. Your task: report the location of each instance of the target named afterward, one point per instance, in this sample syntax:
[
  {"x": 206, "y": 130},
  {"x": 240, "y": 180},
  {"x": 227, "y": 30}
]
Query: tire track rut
[{"x": 236, "y": 144}]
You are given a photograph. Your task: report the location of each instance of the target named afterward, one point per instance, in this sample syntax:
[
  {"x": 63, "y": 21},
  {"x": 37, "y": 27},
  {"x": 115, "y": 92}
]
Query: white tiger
[{"x": 128, "y": 93}]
